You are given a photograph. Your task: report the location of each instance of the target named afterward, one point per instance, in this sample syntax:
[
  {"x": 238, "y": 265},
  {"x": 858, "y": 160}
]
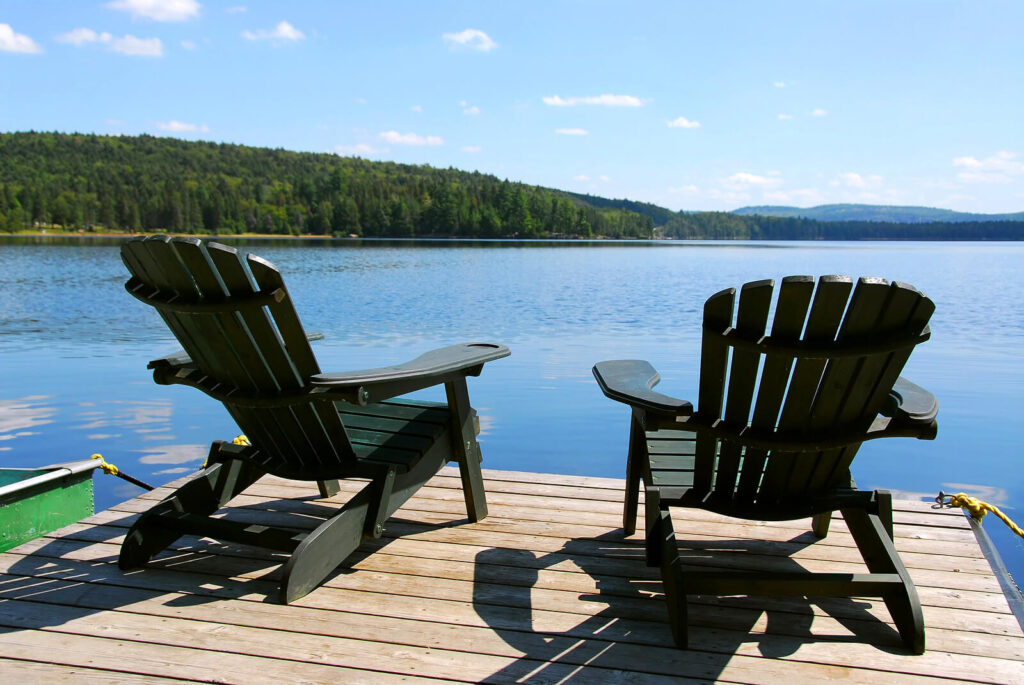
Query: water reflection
[{"x": 17, "y": 416}]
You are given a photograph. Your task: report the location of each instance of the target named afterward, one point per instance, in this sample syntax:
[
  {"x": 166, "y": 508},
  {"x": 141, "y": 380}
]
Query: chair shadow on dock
[{"x": 624, "y": 625}]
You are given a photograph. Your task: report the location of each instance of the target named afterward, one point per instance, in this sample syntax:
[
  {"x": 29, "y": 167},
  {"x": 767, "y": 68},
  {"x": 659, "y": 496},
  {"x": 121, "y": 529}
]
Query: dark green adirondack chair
[
  {"x": 243, "y": 345},
  {"x": 780, "y": 416}
]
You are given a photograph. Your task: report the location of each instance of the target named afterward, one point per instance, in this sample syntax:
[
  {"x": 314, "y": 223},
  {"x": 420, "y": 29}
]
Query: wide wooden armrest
[
  {"x": 434, "y": 367},
  {"x": 910, "y": 403},
  {"x": 630, "y": 381}
]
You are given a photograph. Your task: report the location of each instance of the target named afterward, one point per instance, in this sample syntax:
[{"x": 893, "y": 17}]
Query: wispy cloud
[
  {"x": 779, "y": 84},
  {"x": 16, "y": 42},
  {"x": 357, "y": 149},
  {"x": 1001, "y": 167},
  {"x": 189, "y": 45},
  {"x": 745, "y": 179},
  {"x": 237, "y": 9},
  {"x": 472, "y": 149},
  {"x": 417, "y": 108},
  {"x": 469, "y": 109},
  {"x": 819, "y": 112},
  {"x": 470, "y": 39},
  {"x": 396, "y": 138},
  {"x": 175, "y": 126},
  {"x": 581, "y": 177},
  {"x": 683, "y": 122},
  {"x": 572, "y": 131},
  {"x": 282, "y": 33},
  {"x": 851, "y": 179},
  {"x": 605, "y": 100},
  {"x": 784, "y": 117},
  {"x": 128, "y": 45},
  {"x": 158, "y": 10}
]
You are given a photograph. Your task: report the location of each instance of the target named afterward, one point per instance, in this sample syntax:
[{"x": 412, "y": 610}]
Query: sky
[{"x": 688, "y": 105}]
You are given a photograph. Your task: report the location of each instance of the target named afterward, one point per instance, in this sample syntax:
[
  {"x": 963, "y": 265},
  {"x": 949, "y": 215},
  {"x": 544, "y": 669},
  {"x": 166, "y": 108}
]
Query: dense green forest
[
  {"x": 145, "y": 184},
  {"x": 142, "y": 183}
]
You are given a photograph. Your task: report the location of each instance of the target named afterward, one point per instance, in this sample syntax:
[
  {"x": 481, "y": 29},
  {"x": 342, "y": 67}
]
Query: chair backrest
[
  {"x": 825, "y": 367},
  {"x": 235, "y": 319}
]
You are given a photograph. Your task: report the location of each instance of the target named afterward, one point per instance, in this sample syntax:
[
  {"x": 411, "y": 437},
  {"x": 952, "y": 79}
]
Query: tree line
[{"x": 142, "y": 183}]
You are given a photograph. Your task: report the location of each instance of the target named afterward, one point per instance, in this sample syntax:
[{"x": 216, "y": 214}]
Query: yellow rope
[
  {"x": 239, "y": 440},
  {"x": 978, "y": 509},
  {"x": 105, "y": 465}
]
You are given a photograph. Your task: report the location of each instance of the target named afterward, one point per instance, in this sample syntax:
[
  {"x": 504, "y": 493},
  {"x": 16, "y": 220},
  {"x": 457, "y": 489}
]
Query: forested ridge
[{"x": 88, "y": 182}]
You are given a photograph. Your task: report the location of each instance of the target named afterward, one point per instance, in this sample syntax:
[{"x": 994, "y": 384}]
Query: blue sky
[{"x": 689, "y": 105}]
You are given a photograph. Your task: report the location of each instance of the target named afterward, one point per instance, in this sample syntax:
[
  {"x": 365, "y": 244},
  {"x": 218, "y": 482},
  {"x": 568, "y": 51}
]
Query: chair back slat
[
  {"x": 751, "y": 317},
  {"x": 714, "y": 363},
  {"x": 244, "y": 350}
]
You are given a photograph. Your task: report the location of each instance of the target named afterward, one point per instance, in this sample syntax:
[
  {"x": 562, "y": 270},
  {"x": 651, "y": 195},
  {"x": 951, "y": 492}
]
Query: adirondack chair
[
  {"x": 798, "y": 402},
  {"x": 244, "y": 346}
]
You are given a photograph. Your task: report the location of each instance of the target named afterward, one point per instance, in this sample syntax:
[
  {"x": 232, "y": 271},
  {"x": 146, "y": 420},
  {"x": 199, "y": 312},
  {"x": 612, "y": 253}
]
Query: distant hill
[{"x": 885, "y": 213}]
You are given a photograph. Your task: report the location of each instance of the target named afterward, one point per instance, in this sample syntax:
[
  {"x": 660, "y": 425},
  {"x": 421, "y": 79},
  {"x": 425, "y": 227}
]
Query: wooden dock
[{"x": 545, "y": 589}]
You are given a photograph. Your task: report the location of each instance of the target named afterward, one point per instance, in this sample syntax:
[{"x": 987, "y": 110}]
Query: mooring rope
[
  {"x": 977, "y": 508},
  {"x": 107, "y": 467}
]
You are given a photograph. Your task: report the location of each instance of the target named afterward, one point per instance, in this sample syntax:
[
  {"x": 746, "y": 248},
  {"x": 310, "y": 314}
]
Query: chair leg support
[
  {"x": 872, "y": 538},
  {"x": 654, "y": 531},
  {"x": 820, "y": 523},
  {"x": 466, "y": 449},
  {"x": 326, "y": 548}
]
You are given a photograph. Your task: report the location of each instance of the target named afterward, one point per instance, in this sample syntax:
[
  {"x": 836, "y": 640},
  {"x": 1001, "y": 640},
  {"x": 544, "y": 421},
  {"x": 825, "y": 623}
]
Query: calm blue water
[{"x": 74, "y": 347}]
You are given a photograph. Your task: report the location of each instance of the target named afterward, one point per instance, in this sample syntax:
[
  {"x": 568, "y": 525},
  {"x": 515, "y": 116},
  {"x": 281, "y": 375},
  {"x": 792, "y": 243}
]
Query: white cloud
[
  {"x": 572, "y": 131},
  {"x": 175, "y": 126},
  {"x": 683, "y": 122},
  {"x": 1001, "y": 167},
  {"x": 396, "y": 138},
  {"x": 969, "y": 162},
  {"x": 605, "y": 100},
  {"x": 16, "y": 42},
  {"x": 581, "y": 177},
  {"x": 851, "y": 179},
  {"x": 158, "y": 10},
  {"x": 189, "y": 45},
  {"x": 281, "y": 33},
  {"x": 237, "y": 9},
  {"x": 683, "y": 190},
  {"x": 138, "y": 47},
  {"x": 800, "y": 196},
  {"x": 605, "y": 178},
  {"x": 471, "y": 110},
  {"x": 81, "y": 36},
  {"x": 471, "y": 39},
  {"x": 472, "y": 149},
  {"x": 785, "y": 117},
  {"x": 744, "y": 179},
  {"x": 819, "y": 112},
  {"x": 128, "y": 45},
  {"x": 357, "y": 149},
  {"x": 779, "y": 84},
  {"x": 417, "y": 108}
]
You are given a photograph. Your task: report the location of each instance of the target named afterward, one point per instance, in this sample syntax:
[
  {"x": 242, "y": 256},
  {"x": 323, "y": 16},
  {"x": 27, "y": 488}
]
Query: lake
[{"x": 74, "y": 348}]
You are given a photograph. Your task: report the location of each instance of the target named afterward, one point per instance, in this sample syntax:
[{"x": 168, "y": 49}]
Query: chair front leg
[
  {"x": 466, "y": 449},
  {"x": 636, "y": 459}
]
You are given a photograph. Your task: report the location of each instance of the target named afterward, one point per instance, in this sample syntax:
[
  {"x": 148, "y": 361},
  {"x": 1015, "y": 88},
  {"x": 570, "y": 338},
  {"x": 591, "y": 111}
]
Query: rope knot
[{"x": 105, "y": 465}]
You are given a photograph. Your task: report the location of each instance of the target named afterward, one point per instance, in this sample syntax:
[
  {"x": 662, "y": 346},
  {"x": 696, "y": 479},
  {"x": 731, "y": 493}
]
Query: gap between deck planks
[{"x": 545, "y": 589}]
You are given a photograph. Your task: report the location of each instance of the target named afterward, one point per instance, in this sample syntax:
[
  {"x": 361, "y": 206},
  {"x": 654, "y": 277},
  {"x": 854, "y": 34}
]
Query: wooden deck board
[{"x": 546, "y": 589}]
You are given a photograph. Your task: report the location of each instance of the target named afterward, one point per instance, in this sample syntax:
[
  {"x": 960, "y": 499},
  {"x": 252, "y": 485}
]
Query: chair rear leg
[
  {"x": 466, "y": 449},
  {"x": 326, "y": 548},
  {"x": 217, "y": 484},
  {"x": 820, "y": 523}
]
